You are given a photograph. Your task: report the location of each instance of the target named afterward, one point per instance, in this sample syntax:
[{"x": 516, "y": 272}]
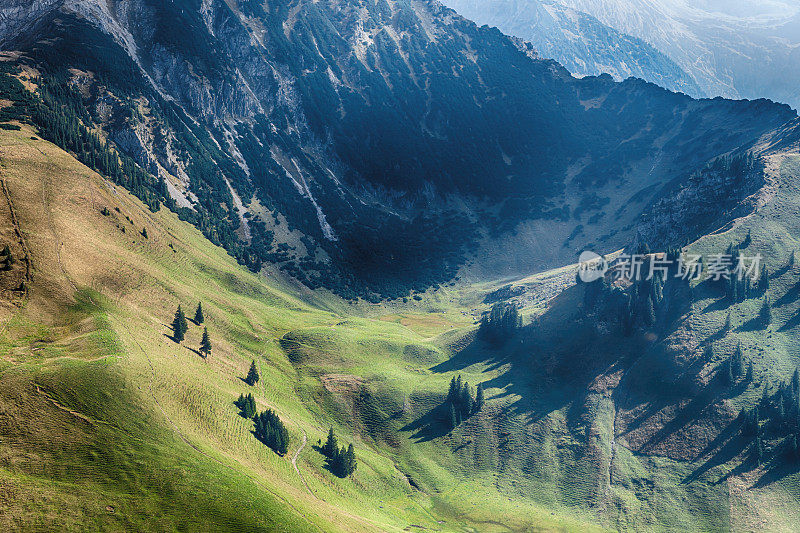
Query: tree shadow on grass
[
  {"x": 789, "y": 297},
  {"x": 729, "y": 444},
  {"x": 791, "y": 323},
  {"x": 431, "y": 425}
]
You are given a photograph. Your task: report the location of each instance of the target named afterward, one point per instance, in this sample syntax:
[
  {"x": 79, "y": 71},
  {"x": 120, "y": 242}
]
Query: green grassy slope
[{"x": 105, "y": 420}]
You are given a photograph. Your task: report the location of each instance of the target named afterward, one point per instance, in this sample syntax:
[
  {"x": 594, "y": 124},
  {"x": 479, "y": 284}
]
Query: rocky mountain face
[
  {"x": 580, "y": 42},
  {"x": 366, "y": 146}
]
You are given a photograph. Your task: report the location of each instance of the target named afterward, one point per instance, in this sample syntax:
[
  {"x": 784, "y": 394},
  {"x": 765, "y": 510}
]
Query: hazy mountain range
[{"x": 730, "y": 49}]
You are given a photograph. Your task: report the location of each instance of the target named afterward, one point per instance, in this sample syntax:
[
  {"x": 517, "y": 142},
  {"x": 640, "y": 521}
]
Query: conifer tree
[
  {"x": 758, "y": 450},
  {"x": 331, "y": 447},
  {"x": 465, "y": 402},
  {"x": 796, "y": 382},
  {"x": 349, "y": 462},
  {"x": 727, "y": 327},
  {"x": 738, "y": 361},
  {"x": 763, "y": 280},
  {"x": 765, "y": 314},
  {"x": 179, "y": 325},
  {"x": 198, "y": 314},
  {"x": 205, "y": 344},
  {"x": 453, "y": 419},
  {"x": 729, "y": 377},
  {"x": 252, "y": 375},
  {"x": 749, "y": 375},
  {"x": 479, "y": 398}
]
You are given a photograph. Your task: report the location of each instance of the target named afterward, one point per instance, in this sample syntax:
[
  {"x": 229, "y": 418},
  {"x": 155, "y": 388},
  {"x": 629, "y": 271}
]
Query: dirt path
[{"x": 294, "y": 462}]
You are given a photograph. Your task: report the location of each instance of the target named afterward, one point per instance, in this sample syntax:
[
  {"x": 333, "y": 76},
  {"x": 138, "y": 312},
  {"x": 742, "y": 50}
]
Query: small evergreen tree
[
  {"x": 205, "y": 344},
  {"x": 349, "y": 461},
  {"x": 144, "y": 233},
  {"x": 452, "y": 417},
  {"x": 479, "y": 398},
  {"x": 749, "y": 375},
  {"x": 729, "y": 377},
  {"x": 331, "y": 447},
  {"x": 758, "y": 450},
  {"x": 796, "y": 382},
  {"x": 765, "y": 314},
  {"x": 252, "y": 375},
  {"x": 179, "y": 325},
  {"x": 791, "y": 448},
  {"x": 198, "y": 314},
  {"x": 738, "y": 361},
  {"x": 763, "y": 280},
  {"x": 465, "y": 401}
]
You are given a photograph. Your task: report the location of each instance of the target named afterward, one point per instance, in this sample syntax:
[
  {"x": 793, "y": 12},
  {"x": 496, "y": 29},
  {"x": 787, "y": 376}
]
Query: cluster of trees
[
  {"x": 734, "y": 368},
  {"x": 459, "y": 404},
  {"x": 341, "y": 461},
  {"x": 180, "y": 326},
  {"x": 247, "y": 405},
  {"x": 271, "y": 431},
  {"x": 739, "y": 286},
  {"x": 61, "y": 117},
  {"x": 776, "y": 417},
  {"x": 500, "y": 323}
]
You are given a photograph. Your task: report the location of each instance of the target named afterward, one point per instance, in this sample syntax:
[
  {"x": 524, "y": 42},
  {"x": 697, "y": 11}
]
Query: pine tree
[
  {"x": 465, "y": 402},
  {"x": 765, "y": 314},
  {"x": 452, "y": 393},
  {"x": 252, "y": 375},
  {"x": 738, "y": 361},
  {"x": 758, "y": 450},
  {"x": 331, "y": 447},
  {"x": 144, "y": 233},
  {"x": 179, "y": 325},
  {"x": 796, "y": 382},
  {"x": 349, "y": 461},
  {"x": 649, "y": 311},
  {"x": 729, "y": 377},
  {"x": 763, "y": 280},
  {"x": 205, "y": 344},
  {"x": 453, "y": 419},
  {"x": 749, "y": 375},
  {"x": 479, "y": 398},
  {"x": 198, "y": 314}
]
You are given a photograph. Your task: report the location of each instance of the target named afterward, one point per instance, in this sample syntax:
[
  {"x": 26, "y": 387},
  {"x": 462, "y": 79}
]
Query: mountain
[
  {"x": 337, "y": 141},
  {"x": 579, "y": 42},
  {"x": 377, "y": 206},
  {"x": 738, "y": 49}
]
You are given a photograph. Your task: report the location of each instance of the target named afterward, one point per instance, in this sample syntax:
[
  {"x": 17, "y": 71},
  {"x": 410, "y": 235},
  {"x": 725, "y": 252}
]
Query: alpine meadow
[{"x": 368, "y": 265}]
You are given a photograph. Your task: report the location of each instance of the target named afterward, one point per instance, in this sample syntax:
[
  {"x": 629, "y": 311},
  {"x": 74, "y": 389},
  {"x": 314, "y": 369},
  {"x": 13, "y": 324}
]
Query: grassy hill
[{"x": 105, "y": 420}]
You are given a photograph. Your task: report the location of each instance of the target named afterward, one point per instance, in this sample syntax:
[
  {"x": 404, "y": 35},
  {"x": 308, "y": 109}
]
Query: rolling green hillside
[{"x": 105, "y": 420}]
